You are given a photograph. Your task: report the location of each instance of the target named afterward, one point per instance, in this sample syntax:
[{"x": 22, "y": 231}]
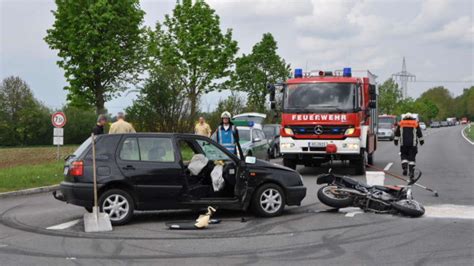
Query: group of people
[
  {"x": 118, "y": 127},
  {"x": 226, "y": 133}
]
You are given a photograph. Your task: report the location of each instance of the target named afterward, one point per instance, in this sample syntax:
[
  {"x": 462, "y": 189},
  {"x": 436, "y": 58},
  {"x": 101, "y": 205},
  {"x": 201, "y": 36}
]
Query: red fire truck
[{"x": 328, "y": 115}]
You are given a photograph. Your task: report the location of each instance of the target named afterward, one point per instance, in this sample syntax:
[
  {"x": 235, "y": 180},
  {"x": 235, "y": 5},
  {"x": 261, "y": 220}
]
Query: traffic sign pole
[{"x": 58, "y": 120}]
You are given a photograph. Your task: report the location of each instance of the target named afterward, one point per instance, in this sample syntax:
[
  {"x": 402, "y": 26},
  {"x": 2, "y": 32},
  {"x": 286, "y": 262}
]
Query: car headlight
[
  {"x": 349, "y": 131},
  {"x": 287, "y": 145},
  {"x": 353, "y": 146},
  {"x": 288, "y": 131}
]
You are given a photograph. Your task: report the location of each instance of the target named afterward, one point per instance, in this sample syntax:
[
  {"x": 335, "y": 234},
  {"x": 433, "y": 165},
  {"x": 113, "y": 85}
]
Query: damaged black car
[{"x": 157, "y": 171}]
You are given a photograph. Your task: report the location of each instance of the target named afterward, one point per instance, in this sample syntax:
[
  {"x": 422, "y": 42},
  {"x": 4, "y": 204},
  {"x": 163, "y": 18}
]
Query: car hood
[
  {"x": 385, "y": 130},
  {"x": 268, "y": 165}
]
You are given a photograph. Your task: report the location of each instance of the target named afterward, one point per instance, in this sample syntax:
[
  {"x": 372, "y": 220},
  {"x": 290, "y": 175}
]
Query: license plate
[
  {"x": 66, "y": 170},
  {"x": 318, "y": 144}
]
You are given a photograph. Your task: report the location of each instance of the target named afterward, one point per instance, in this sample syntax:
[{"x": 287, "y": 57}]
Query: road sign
[
  {"x": 58, "y": 132},
  {"x": 58, "y": 141},
  {"x": 58, "y": 119}
]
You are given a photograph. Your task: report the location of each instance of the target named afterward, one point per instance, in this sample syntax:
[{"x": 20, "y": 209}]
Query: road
[{"x": 311, "y": 234}]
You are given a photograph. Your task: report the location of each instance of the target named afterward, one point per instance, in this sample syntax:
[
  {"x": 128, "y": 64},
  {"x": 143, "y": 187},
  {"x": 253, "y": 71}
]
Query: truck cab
[{"x": 328, "y": 116}]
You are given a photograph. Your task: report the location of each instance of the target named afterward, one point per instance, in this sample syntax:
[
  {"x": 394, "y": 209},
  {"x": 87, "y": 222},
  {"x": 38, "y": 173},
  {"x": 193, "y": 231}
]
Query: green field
[
  {"x": 470, "y": 134},
  {"x": 30, "y": 167}
]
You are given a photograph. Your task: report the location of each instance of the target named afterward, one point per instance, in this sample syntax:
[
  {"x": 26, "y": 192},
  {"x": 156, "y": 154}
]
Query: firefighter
[
  {"x": 227, "y": 134},
  {"x": 408, "y": 132}
]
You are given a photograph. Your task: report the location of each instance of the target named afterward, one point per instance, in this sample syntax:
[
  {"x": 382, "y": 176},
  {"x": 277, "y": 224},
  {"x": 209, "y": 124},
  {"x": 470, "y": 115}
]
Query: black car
[
  {"x": 272, "y": 133},
  {"x": 149, "y": 171}
]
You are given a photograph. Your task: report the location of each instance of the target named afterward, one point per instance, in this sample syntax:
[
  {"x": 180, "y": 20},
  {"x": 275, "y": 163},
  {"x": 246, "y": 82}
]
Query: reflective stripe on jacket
[{"x": 408, "y": 132}]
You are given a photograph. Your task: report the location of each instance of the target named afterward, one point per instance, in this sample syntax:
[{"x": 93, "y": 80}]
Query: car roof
[{"x": 158, "y": 134}]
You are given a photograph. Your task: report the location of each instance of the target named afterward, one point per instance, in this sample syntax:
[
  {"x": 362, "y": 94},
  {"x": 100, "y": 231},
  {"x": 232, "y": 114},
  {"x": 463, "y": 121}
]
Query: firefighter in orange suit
[{"x": 408, "y": 133}]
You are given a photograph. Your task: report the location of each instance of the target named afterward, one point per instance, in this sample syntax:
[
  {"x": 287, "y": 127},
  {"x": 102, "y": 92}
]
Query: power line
[{"x": 445, "y": 81}]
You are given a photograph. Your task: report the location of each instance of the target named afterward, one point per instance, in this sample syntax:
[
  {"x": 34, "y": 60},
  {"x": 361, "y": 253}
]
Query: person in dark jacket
[
  {"x": 227, "y": 134},
  {"x": 408, "y": 133},
  {"x": 99, "y": 127}
]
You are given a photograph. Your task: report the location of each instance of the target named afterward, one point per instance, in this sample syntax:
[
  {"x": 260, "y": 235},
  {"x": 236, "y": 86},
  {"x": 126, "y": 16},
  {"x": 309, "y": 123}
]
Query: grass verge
[
  {"x": 468, "y": 134},
  {"x": 30, "y": 176}
]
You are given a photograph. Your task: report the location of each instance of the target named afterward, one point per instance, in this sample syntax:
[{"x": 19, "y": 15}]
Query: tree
[
  {"x": 192, "y": 43},
  {"x": 161, "y": 105},
  {"x": 101, "y": 46},
  {"x": 80, "y": 122},
  {"x": 389, "y": 97},
  {"x": 253, "y": 72},
  {"x": 441, "y": 97},
  {"x": 235, "y": 104},
  {"x": 23, "y": 119}
]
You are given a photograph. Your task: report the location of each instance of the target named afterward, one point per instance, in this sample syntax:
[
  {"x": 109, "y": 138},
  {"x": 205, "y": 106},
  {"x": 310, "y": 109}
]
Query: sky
[{"x": 435, "y": 36}]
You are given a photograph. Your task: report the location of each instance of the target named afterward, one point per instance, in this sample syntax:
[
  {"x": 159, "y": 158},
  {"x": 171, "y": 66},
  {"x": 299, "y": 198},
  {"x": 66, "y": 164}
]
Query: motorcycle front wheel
[
  {"x": 408, "y": 207},
  {"x": 333, "y": 197}
]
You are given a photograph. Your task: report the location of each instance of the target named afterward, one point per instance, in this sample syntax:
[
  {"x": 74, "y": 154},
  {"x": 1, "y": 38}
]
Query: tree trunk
[
  {"x": 99, "y": 101},
  {"x": 193, "y": 102}
]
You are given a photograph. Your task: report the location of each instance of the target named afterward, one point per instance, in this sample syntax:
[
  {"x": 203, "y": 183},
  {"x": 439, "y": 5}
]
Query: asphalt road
[{"x": 307, "y": 235}]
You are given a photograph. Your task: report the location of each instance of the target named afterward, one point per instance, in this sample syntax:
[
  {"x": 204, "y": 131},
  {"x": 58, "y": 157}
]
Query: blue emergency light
[
  {"x": 298, "y": 73},
  {"x": 347, "y": 72},
  {"x": 335, "y": 130}
]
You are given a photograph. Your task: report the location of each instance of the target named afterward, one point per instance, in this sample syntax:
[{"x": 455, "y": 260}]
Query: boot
[
  {"x": 404, "y": 167},
  {"x": 412, "y": 171}
]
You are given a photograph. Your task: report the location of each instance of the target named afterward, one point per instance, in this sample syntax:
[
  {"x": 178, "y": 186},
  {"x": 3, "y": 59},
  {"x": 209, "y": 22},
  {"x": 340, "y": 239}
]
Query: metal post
[{"x": 58, "y": 153}]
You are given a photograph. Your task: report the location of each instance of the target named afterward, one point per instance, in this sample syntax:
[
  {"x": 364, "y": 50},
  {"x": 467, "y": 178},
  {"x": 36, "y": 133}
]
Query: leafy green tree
[
  {"x": 253, "y": 72},
  {"x": 389, "y": 97},
  {"x": 161, "y": 105},
  {"x": 405, "y": 106},
  {"x": 441, "y": 97},
  {"x": 101, "y": 46},
  {"x": 426, "y": 109},
  {"x": 23, "y": 119},
  {"x": 235, "y": 104},
  {"x": 192, "y": 43},
  {"x": 80, "y": 122},
  {"x": 464, "y": 104}
]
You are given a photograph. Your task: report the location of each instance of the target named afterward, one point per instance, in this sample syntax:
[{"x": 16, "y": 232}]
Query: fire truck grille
[{"x": 319, "y": 130}]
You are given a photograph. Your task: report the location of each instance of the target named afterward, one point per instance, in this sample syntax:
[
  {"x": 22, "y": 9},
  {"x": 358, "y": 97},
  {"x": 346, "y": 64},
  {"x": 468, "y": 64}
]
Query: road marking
[
  {"x": 388, "y": 166},
  {"x": 450, "y": 211},
  {"x": 464, "y": 136},
  {"x": 64, "y": 225},
  {"x": 3, "y": 246}
]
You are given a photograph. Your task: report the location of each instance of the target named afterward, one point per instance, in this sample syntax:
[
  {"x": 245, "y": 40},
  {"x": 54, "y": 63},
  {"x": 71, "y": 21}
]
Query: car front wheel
[
  {"x": 118, "y": 204},
  {"x": 268, "y": 200}
]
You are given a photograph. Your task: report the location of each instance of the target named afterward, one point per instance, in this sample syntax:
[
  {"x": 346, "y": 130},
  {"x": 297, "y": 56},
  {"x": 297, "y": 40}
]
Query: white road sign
[
  {"x": 58, "y": 132},
  {"x": 58, "y": 141}
]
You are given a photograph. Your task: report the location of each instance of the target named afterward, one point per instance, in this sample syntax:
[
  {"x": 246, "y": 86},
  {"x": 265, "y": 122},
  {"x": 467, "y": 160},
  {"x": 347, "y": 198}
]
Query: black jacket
[
  {"x": 98, "y": 130},
  {"x": 408, "y": 132}
]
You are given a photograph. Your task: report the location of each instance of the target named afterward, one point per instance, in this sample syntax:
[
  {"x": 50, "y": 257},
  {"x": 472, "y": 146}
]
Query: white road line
[
  {"x": 388, "y": 166},
  {"x": 450, "y": 211},
  {"x": 464, "y": 136},
  {"x": 3, "y": 246},
  {"x": 64, "y": 225}
]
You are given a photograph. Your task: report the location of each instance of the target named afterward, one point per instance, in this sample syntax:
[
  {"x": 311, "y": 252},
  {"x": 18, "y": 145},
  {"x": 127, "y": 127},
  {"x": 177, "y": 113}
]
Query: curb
[
  {"x": 464, "y": 136},
  {"x": 29, "y": 191}
]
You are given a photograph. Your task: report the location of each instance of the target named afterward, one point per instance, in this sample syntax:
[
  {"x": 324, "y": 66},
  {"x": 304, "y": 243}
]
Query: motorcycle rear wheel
[
  {"x": 327, "y": 196},
  {"x": 408, "y": 207}
]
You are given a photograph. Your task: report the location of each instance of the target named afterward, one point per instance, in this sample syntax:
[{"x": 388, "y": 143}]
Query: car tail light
[
  {"x": 77, "y": 168},
  {"x": 331, "y": 148}
]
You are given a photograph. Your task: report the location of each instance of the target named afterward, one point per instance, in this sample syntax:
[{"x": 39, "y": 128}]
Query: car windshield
[
  {"x": 269, "y": 132},
  {"x": 385, "y": 125},
  {"x": 319, "y": 97},
  {"x": 386, "y": 120},
  {"x": 244, "y": 134}
]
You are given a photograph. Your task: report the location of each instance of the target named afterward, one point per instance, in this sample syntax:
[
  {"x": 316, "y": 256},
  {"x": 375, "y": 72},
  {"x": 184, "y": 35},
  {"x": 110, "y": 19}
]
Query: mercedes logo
[{"x": 318, "y": 130}]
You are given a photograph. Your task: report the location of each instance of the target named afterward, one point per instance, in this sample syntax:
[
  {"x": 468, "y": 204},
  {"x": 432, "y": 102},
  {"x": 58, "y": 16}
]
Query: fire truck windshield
[{"x": 309, "y": 97}]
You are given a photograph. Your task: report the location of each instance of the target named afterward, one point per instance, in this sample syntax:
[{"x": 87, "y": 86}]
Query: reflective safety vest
[
  {"x": 408, "y": 132},
  {"x": 226, "y": 138}
]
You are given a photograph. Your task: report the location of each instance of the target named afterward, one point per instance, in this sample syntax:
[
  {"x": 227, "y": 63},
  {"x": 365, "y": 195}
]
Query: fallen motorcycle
[{"x": 343, "y": 191}]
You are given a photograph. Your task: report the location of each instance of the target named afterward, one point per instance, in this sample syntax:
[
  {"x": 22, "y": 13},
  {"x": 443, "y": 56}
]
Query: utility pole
[{"x": 404, "y": 76}]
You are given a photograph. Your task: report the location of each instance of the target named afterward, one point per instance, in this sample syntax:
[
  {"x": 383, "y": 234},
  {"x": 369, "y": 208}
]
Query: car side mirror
[
  {"x": 257, "y": 139},
  {"x": 250, "y": 160}
]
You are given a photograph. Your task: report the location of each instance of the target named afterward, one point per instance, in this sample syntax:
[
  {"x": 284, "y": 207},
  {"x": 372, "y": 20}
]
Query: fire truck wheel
[
  {"x": 289, "y": 163},
  {"x": 360, "y": 163}
]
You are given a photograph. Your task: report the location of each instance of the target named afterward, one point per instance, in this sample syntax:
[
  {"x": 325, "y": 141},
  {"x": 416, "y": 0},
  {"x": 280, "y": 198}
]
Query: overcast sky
[{"x": 435, "y": 36}]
